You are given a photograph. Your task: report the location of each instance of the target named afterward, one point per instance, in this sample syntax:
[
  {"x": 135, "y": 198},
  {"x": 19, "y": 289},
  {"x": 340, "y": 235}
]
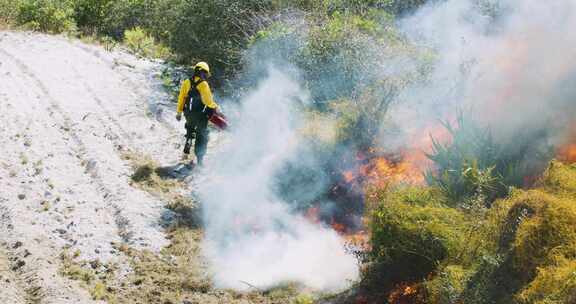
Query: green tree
[
  {"x": 216, "y": 31},
  {"x": 90, "y": 15},
  {"x": 54, "y": 16}
]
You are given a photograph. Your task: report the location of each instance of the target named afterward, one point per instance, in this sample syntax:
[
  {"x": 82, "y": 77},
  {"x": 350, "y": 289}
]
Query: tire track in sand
[
  {"x": 11, "y": 266},
  {"x": 122, "y": 133},
  {"x": 112, "y": 65},
  {"x": 67, "y": 128}
]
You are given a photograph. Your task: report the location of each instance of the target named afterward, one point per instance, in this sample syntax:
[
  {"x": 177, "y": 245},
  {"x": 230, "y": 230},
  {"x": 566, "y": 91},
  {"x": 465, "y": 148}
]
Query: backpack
[{"x": 194, "y": 102}]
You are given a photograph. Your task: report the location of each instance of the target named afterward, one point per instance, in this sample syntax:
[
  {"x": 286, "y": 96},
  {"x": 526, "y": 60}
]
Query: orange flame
[
  {"x": 381, "y": 171},
  {"x": 406, "y": 166},
  {"x": 404, "y": 294},
  {"x": 338, "y": 227},
  {"x": 312, "y": 214},
  {"x": 348, "y": 176},
  {"x": 567, "y": 153}
]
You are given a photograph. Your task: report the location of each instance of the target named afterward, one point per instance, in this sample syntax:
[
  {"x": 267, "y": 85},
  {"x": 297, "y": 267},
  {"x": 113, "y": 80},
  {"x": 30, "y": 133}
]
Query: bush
[
  {"x": 337, "y": 53},
  {"x": 536, "y": 239},
  {"x": 91, "y": 15},
  {"x": 474, "y": 165},
  {"x": 359, "y": 7},
  {"x": 142, "y": 44},
  {"x": 553, "y": 284},
  {"x": 559, "y": 179},
  {"x": 401, "y": 7},
  {"x": 215, "y": 31},
  {"x": 158, "y": 17},
  {"x": 466, "y": 166},
  {"x": 340, "y": 57},
  {"x": 8, "y": 11},
  {"x": 138, "y": 41},
  {"x": 448, "y": 285},
  {"x": 122, "y": 15},
  {"x": 357, "y": 122},
  {"x": 53, "y": 16},
  {"x": 545, "y": 234},
  {"x": 412, "y": 232},
  {"x": 521, "y": 250}
]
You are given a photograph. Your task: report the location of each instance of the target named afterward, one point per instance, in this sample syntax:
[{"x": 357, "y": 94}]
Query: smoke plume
[
  {"x": 510, "y": 65},
  {"x": 252, "y": 236}
]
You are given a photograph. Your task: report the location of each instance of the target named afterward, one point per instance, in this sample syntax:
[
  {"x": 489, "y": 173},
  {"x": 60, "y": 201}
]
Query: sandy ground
[{"x": 68, "y": 111}]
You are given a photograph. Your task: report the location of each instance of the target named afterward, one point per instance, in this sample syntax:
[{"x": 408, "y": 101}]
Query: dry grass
[
  {"x": 176, "y": 274},
  {"x": 146, "y": 176},
  {"x": 93, "y": 275}
]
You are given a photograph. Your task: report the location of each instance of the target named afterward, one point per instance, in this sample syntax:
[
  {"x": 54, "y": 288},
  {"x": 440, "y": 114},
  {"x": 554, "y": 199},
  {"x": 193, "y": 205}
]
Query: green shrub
[
  {"x": 343, "y": 54},
  {"x": 546, "y": 232},
  {"x": 53, "y": 16},
  {"x": 521, "y": 250},
  {"x": 553, "y": 284},
  {"x": 339, "y": 53},
  {"x": 361, "y": 7},
  {"x": 158, "y": 17},
  {"x": 8, "y": 11},
  {"x": 399, "y": 7},
  {"x": 98, "y": 292},
  {"x": 303, "y": 299},
  {"x": 340, "y": 58},
  {"x": 473, "y": 165},
  {"x": 559, "y": 179},
  {"x": 91, "y": 15},
  {"x": 412, "y": 233},
  {"x": 138, "y": 41},
  {"x": 417, "y": 196},
  {"x": 535, "y": 242},
  {"x": 162, "y": 18},
  {"x": 142, "y": 44},
  {"x": 447, "y": 286},
  {"x": 122, "y": 15},
  {"x": 108, "y": 42},
  {"x": 215, "y": 31}
]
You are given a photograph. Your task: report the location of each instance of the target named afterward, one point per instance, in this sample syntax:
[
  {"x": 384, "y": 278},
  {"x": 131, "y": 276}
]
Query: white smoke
[
  {"x": 509, "y": 63},
  {"x": 252, "y": 237},
  {"x": 512, "y": 64}
]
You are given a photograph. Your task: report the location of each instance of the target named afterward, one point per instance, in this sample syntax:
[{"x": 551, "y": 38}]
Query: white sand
[{"x": 67, "y": 110}]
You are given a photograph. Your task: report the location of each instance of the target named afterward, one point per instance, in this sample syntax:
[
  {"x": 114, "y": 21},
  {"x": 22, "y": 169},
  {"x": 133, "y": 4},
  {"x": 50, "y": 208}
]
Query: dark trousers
[{"x": 197, "y": 128}]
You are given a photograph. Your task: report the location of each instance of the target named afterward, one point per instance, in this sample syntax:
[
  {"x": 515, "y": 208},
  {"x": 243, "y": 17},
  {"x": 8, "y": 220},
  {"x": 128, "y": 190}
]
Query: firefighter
[{"x": 197, "y": 104}]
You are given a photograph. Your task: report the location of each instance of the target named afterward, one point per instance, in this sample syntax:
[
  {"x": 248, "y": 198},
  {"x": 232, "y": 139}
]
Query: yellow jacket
[{"x": 205, "y": 94}]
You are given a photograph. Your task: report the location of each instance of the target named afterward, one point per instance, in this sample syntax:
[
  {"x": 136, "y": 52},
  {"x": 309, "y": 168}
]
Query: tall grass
[{"x": 473, "y": 164}]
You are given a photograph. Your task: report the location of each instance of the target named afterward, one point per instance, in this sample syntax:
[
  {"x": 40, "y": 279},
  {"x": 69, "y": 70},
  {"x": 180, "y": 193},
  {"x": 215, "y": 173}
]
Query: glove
[
  {"x": 178, "y": 116},
  {"x": 209, "y": 112}
]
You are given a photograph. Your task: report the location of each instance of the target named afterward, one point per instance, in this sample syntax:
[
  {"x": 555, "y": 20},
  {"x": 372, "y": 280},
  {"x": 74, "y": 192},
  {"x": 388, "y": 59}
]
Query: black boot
[{"x": 187, "y": 146}]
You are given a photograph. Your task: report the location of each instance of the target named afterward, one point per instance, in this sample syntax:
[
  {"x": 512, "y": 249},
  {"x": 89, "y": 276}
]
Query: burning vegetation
[
  {"x": 441, "y": 146},
  {"x": 440, "y": 218},
  {"x": 469, "y": 219},
  {"x": 567, "y": 151},
  {"x": 501, "y": 240}
]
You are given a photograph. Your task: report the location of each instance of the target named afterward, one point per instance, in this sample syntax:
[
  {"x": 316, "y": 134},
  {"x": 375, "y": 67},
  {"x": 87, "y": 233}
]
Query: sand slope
[{"x": 68, "y": 112}]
